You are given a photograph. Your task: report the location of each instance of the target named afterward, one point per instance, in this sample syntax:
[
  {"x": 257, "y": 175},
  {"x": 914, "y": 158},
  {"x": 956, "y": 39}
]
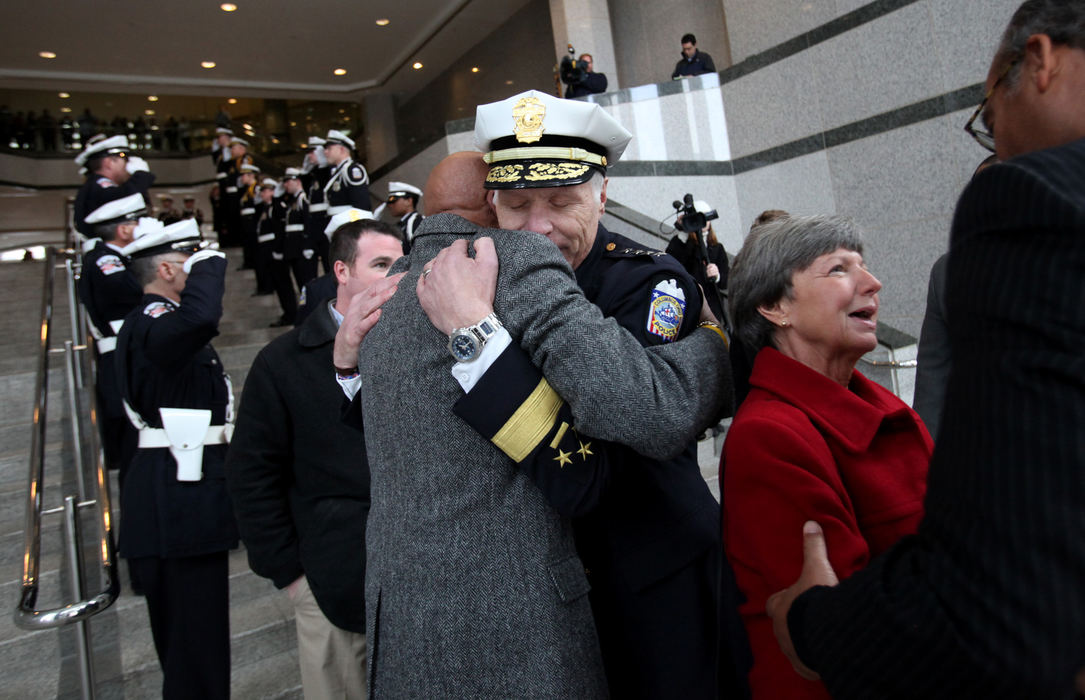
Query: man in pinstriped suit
[{"x": 988, "y": 599}]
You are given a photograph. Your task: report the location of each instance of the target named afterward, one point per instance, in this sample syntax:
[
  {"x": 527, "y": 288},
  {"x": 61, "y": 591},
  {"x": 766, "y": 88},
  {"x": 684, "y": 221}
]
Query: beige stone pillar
[{"x": 380, "y": 130}]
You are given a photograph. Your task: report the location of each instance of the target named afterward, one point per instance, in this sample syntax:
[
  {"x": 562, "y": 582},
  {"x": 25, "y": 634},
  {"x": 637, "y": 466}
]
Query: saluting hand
[{"x": 456, "y": 290}]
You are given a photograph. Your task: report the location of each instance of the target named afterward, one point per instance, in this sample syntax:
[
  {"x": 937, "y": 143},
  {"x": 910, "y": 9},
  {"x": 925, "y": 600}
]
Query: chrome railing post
[
  {"x": 76, "y": 422},
  {"x": 75, "y": 561},
  {"x": 75, "y": 317}
]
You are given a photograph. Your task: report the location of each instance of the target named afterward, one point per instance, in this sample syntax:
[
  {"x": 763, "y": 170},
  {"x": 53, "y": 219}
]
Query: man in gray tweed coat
[{"x": 474, "y": 588}]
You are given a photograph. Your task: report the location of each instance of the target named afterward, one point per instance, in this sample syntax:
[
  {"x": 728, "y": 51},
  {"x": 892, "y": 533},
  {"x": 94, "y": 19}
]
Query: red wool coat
[{"x": 803, "y": 447}]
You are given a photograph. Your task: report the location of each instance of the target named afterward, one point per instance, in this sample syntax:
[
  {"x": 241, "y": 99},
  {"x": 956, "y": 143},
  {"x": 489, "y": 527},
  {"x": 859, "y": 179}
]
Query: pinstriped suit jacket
[
  {"x": 988, "y": 600},
  {"x": 473, "y": 585}
]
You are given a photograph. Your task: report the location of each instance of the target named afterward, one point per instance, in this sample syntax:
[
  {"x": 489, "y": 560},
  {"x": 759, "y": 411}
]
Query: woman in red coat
[{"x": 814, "y": 439}]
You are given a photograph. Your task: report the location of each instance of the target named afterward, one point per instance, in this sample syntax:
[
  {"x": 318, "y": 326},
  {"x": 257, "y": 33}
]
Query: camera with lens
[
  {"x": 573, "y": 71},
  {"x": 691, "y": 220}
]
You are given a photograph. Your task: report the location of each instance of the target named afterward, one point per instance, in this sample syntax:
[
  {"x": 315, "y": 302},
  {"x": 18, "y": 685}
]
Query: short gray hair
[
  {"x": 144, "y": 269},
  {"x": 773, "y": 252},
  {"x": 107, "y": 232},
  {"x": 1062, "y": 20}
]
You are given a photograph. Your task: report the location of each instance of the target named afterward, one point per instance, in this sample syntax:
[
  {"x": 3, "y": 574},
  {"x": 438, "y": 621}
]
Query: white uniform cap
[
  {"x": 183, "y": 236},
  {"x": 147, "y": 225},
  {"x": 537, "y": 140},
  {"x": 238, "y": 139},
  {"x": 401, "y": 189},
  {"x": 340, "y": 138},
  {"x": 345, "y": 217},
  {"x": 114, "y": 145},
  {"x": 124, "y": 209},
  {"x": 250, "y": 168},
  {"x": 314, "y": 141},
  {"x": 224, "y": 130},
  {"x": 269, "y": 182},
  {"x": 292, "y": 174}
]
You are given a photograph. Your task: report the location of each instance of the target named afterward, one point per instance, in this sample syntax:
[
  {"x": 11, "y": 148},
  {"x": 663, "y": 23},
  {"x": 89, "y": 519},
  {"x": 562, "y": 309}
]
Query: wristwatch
[{"x": 466, "y": 344}]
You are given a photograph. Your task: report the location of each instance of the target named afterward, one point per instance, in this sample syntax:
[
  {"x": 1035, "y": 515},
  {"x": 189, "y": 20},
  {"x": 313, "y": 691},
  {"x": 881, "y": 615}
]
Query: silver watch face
[{"x": 464, "y": 346}]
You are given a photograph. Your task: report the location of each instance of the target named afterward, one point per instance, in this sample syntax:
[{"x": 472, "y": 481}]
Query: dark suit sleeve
[
  {"x": 174, "y": 338},
  {"x": 933, "y": 360},
  {"x": 514, "y": 407},
  {"x": 259, "y": 473},
  {"x": 988, "y": 600}
]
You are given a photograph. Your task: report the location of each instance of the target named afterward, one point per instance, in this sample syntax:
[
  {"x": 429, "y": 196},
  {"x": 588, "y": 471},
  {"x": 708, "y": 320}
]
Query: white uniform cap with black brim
[
  {"x": 537, "y": 140},
  {"x": 112, "y": 146},
  {"x": 338, "y": 137},
  {"x": 345, "y": 217},
  {"x": 314, "y": 141},
  {"x": 239, "y": 141},
  {"x": 124, "y": 209},
  {"x": 292, "y": 174},
  {"x": 402, "y": 189},
  {"x": 182, "y": 237}
]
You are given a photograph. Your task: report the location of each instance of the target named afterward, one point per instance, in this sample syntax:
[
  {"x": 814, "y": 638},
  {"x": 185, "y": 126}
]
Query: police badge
[{"x": 528, "y": 115}]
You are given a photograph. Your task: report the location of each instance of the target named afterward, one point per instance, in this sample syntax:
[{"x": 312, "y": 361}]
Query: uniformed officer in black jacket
[
  {"x": 647, "y": 530},
  {"x": 348, "y": 183},
  {"x": 231, "y": 191},
  {"x": 178, "y": 521},
  {"x": 315, "y": 173},
  {"x": 296, "y": 248},
  {"x": 220, "y": 156},
  {"x": 270, "y": 217},
  {"x": 112, "y": 172},
  {"x": 320, "y": 290},
  {"x": 403, "y": 203},
  {"x": 108, "y": 291},
  {"x": 247, "y": 220}
]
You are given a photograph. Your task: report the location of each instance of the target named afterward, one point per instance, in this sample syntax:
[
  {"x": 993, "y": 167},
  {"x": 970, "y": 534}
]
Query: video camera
[
  {"x": 573, "y": 71},
  {"x": 691, "y": 220}
]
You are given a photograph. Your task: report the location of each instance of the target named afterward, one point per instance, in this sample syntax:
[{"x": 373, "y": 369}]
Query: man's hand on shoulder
[
  {"x": 816, "y": 571},
  {"x": 359, "y": 318},
  {"x": 456, "y": 290}
]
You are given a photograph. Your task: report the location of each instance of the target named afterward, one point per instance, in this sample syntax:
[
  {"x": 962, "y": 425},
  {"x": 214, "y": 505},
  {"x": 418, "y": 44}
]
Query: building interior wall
[{"x": 647, "y": 37}]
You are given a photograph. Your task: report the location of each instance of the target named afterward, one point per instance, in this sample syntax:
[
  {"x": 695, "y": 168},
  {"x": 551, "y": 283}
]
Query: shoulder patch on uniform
[
  {"x": 106, "y": 182},
  {"x": 109, "y": 264},
  {"x": 156, "y": 309},
  {"x": 356, "y": 175},
  {"x": 667, "y": 308},
  {"x": 301, "y": 297}
]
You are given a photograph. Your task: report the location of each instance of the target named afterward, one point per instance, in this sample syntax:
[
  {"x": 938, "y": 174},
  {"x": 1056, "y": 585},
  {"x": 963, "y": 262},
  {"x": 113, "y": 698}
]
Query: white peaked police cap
[
  {"x": 124, "y": 209},
  {"x": 345, "y": 217}
]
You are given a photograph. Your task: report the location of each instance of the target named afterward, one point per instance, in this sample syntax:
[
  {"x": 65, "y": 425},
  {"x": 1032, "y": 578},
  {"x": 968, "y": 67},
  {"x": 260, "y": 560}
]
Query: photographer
[
  {"x": 579, "y": 78},
  {"x": 695, "y": 246}
]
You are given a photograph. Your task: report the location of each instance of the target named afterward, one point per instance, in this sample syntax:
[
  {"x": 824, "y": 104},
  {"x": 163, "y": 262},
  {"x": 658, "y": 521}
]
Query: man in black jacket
[
  {"x": 987, "y": 600},
  {"x": 299, "y": 477},
  {"x": 693, "y": 61}
]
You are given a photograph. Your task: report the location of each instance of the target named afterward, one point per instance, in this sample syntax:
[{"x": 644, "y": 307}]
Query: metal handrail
[{"x": 26, "y": 616}]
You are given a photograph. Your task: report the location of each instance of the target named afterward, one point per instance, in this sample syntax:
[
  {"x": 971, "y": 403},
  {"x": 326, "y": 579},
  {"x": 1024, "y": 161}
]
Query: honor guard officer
[
  {"x": 650, "y": 537},
  {"x": 315, "y": 173},
  {"x": 298, "y": 252},
  {"x": 269, "y": 256},
  {"x": 250, "y": 247},
  {"x": 220, "y": 156},
  {"x": 231, "y": 193},
  {"x": 403, "y": 203},
  {"x": 318, "y": 291},
  {"x": 178, "y": 521},
  {"x": 348, "y": 184},
  {"x": 109, "y": 292},
  {"x": 112, "y": 173},
  {"x": 191, "y": 211}
]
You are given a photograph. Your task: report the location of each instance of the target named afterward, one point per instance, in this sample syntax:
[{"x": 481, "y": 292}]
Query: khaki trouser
[{"x": 332, "y": 659}]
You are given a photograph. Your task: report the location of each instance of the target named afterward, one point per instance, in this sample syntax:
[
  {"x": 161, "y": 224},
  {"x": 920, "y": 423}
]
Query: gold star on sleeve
[
  {"x": 563, "y": 458},
  {"x": 585, "y": 450}
]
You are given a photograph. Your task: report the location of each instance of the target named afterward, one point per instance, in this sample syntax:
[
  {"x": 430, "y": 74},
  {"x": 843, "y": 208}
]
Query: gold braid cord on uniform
[{"x": 545, "y": 153}]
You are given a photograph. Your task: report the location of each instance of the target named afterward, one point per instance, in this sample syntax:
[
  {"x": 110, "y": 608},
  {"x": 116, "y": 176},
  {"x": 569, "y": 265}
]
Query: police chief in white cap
[
  {"x": 652, "y": 546},
  {"x": 178, "y": 520},
  {"x": 402, "y": 203}
]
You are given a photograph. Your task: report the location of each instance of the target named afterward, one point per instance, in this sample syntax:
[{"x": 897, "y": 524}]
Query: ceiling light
[
  {"x": 47, "y": 54},
  {"x": 232, "y": 100},
  {"x": 417, "y": 65},
  {"x": 66, "y": 110},
  {"x": 227, "y": 7},
  {"x": 207, "y": 64},
  {"x": 474, "y": 69},
  {"x": 149, "y": 112},
  {"x": 383, "y": 22},
  {"x": 293, "y": 123},
  {"x": 247, "y": 127},
  {"x": 152, "y": 98},
  {"x": 508, "y": 82},
  {"x": 63, "y": 95},
  {"x": 340, "y": 71}
]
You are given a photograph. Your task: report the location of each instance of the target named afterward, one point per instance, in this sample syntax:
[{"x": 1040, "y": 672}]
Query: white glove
[
  {"x": 308, "y": 253},
  {"x": 135, "y": 165},
  {"x": 379, "y": 210},
  {"x": 321, "y": 159},
  {"x": 276, "y": 256},
  {"x": 279, "y": 191},
  {"x": 205, "y": 254},
  {"x": 307, "y": 165}
]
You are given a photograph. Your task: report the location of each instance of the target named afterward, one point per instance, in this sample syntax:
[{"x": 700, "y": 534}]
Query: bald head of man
[{"x": 456, "y": 186}]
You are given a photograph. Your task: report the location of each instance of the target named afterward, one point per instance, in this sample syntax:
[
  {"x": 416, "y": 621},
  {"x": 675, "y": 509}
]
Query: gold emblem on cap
[
  {"x": 611, "y": 246},
  {"x": 528, "y": 115}
]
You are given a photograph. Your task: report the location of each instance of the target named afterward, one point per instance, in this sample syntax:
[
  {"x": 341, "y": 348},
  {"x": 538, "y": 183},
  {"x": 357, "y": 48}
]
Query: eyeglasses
[{"x": 982, "y": 136}]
